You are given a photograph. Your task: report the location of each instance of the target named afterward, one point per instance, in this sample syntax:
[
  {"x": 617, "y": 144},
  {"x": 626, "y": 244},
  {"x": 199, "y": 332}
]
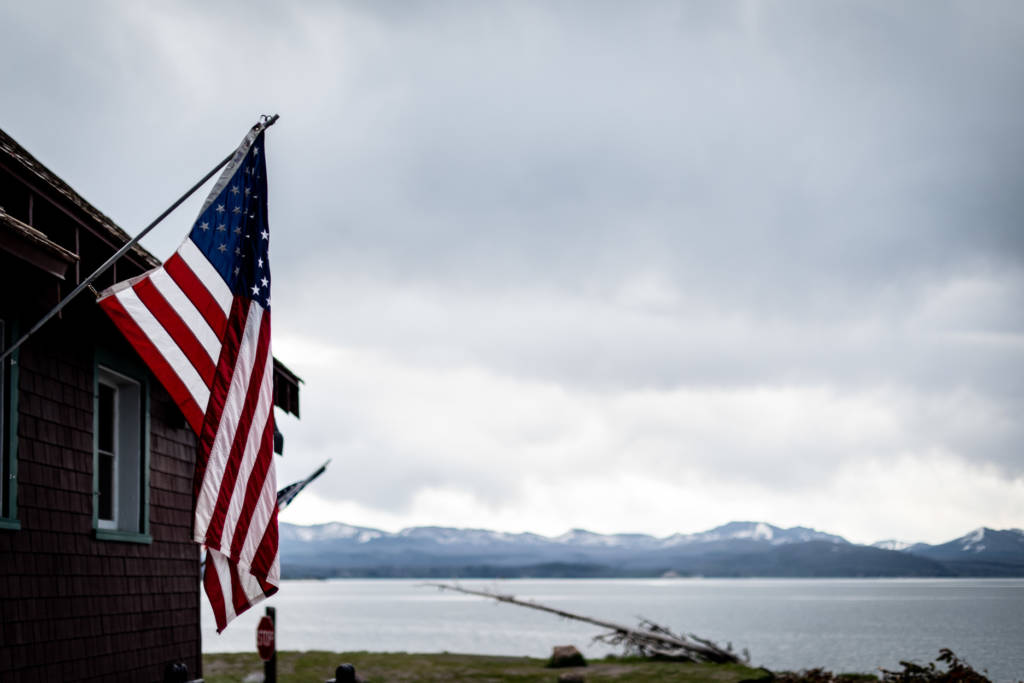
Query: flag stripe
[
  {"x": 155, "y": 360},
  {"x": 263, "y": 512},
  {"x": 255, "y": 411},
  {"x": 228, "y": 422},
  {"x": 165, "y": 346},
  {"x": 204, "y": 302},
  {"x": 180, "y": 334},
  {"x": 255, "y": 494},
  {"x": 218, "y": 394},
  {"x": 190, "y": 315},
  {"x": 224, "y": 573},
  {"x": 254, "y": 452},
  {"x": 239, "y": 598},
  {"x": 266, "y": 552},
  {"x": 214, "y": 589},
  {"x": 199, "y": 264}
]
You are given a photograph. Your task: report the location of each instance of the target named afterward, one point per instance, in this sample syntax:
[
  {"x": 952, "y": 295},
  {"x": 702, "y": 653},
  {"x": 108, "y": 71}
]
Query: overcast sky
[{"x": 631, "y": 267}]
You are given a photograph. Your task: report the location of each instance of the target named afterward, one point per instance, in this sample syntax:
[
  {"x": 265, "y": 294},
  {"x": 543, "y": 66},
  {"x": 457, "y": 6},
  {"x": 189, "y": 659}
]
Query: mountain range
[{"x": 736, "y": 549}]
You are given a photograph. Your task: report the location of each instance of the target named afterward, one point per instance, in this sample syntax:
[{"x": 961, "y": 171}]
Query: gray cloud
[{"x": 592, "y": 199}]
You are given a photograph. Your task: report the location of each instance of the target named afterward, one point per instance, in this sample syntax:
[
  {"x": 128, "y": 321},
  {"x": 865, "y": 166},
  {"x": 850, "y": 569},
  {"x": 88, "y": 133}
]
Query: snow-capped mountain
[
  {"x": 733, "y": 549},
  {"x": 336, "y": 533},
  {"x": 324, "y": 532},
  {"x": 891, "y": 544},
  {"x": 754, "y": 531},
  {"x": 983, "y": 546}
]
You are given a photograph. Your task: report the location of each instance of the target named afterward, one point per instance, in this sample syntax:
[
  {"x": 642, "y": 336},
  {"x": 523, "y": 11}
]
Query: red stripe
[
  {"x": 239, "y": 600},
  {"x": 264, "y": 558},
  {"x": 234, "y": 460},
  {"x": 254, "y": 488},
  {"x": 197, "y": 292},
  {"x": 267, "y": 587},
  {"x": 155, "y": 360},
  {"x": 211, "y": 582},
  {"x": 219, "y": 391},
  {"x": 176, "y": 327}
]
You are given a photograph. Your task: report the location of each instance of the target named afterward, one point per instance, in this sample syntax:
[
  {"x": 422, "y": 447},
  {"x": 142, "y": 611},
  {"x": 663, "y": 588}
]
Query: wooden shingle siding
[{"x": 73, "y": 607}]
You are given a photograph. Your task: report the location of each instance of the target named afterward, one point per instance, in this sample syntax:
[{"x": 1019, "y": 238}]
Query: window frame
[
  {"x": 9, "y": 429},
  {"x": 105, "y": 367}
]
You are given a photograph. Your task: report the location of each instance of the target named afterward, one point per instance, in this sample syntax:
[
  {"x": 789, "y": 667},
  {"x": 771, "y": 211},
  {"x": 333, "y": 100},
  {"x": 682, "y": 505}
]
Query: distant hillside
[
  {"x": 737, "y": 549},
  {"x": 982, "y": 552}
]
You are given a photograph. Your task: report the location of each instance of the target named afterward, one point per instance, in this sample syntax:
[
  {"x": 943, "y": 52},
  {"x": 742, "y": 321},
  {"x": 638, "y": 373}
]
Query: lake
[{"x": 840, "y": 624}]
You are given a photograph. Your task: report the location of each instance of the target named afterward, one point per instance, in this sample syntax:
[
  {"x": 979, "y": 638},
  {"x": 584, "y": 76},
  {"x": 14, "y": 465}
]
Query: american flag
[{"x": 201, "y": 322}]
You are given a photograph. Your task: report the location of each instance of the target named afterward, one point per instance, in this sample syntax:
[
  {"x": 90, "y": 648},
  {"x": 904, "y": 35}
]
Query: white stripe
[
  {"x": 274, "y": 576},
  {"x": 190, "y": 315},
  {"x": 233, "y": 403},
  {"x": 207, "y": 274},
  {"x": 223, "y": 567},
  {"x": 165, "y": 346},
  {"x": 252, "y": 446},
  {"x": 260, "y": 520},
  {"x": 251, "y": 587}
]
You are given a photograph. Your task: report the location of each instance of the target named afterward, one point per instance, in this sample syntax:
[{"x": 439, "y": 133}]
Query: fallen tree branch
[{"x": 649, "y": 639}]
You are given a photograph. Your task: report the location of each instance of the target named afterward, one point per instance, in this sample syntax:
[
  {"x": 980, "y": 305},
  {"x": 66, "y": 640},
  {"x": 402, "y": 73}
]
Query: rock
[
  {"x": 572, "y": 677},
  {"x": 346, "y": 673},
  {"x": 566, "y": 655}
]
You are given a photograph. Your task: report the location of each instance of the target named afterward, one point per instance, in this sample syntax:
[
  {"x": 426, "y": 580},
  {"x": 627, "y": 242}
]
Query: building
[{"x": 99, "y": 577}]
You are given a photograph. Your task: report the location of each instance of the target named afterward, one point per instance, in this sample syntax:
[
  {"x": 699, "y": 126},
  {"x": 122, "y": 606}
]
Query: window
[
  {"x": 8, "y": 433},
  {"x": 121, "y": 459}
]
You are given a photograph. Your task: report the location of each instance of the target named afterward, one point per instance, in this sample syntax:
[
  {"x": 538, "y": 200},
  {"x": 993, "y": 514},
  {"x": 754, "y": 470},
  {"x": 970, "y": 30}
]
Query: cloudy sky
[{"x": 645, "y": 267}]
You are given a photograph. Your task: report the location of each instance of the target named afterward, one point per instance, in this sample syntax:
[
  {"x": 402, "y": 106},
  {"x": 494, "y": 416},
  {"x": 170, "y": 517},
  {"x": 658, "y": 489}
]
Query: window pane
[
  {"x": 106, "y": 477},
  {"x": 105, "y": 437}
]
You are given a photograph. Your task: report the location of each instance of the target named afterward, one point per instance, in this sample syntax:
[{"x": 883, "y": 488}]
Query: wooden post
[{"x": 270, "y": 666}]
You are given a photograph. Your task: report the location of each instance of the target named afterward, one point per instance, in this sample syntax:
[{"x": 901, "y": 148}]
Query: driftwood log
[{"x": 647, "y": 640}]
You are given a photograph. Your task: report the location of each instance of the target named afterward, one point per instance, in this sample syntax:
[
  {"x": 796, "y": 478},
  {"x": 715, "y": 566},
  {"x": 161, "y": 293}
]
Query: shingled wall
[{"x": 73, "y": 607}]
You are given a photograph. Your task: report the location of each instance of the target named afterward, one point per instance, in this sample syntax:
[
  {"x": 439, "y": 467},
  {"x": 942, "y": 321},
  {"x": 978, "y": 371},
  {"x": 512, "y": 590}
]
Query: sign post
[{"x": 266, "y": 645}]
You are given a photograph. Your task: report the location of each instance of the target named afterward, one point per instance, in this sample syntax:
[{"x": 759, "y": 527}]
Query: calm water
[{"x": 841, "y": 624}]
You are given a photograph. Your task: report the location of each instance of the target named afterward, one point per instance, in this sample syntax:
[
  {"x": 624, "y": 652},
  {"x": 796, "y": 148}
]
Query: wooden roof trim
[{"x": 32, "y": 245}]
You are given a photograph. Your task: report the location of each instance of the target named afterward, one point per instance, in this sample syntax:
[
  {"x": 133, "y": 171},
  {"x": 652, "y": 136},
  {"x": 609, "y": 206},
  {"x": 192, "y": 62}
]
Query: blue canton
[{"x": 233, "y": 231}]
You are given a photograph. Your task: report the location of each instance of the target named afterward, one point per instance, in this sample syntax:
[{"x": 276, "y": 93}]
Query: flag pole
[{"x": 264, "y": 123}]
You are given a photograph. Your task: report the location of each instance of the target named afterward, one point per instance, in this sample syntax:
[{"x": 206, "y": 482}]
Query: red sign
[{"x": 265, "y": 638}]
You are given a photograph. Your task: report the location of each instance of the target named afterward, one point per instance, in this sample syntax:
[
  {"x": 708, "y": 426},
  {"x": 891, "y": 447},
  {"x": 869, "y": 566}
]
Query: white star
[
  {"x": 222, "y": 248},
  {"x": 237, "y": 209},
  {"x": 238, "y": 251},
  {"x": 237, "y": 270},
  {"x": 260, "y": 262},
  {"x": 204, "y": 226},
  {"x": 264, "y": 282},
  {"x": 234, "y": 189},
  {"x": 255, "y": 289},
  {"x": 264, "y": 234},
  {"x": 220, "y": 208},
  {"x": 248, "y": 190},
  {"x": 255, "y": 151},
  {"x": 237, "y": 230},
  {"x": 222, "y": 228}
]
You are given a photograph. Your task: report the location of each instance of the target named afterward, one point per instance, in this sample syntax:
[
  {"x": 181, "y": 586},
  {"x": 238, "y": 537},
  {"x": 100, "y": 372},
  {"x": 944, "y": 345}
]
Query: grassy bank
[{"x": 377, "y": 667}]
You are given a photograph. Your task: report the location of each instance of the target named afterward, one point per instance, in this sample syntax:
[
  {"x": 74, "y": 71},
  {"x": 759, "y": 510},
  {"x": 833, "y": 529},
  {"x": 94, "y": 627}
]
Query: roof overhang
[
  {"x": 31, "y": 245},
  {"x": 286, "y": 388}
]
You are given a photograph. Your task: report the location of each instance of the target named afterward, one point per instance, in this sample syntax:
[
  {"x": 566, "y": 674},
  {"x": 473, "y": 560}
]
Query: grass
[{"x": 380, "y": 667}]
